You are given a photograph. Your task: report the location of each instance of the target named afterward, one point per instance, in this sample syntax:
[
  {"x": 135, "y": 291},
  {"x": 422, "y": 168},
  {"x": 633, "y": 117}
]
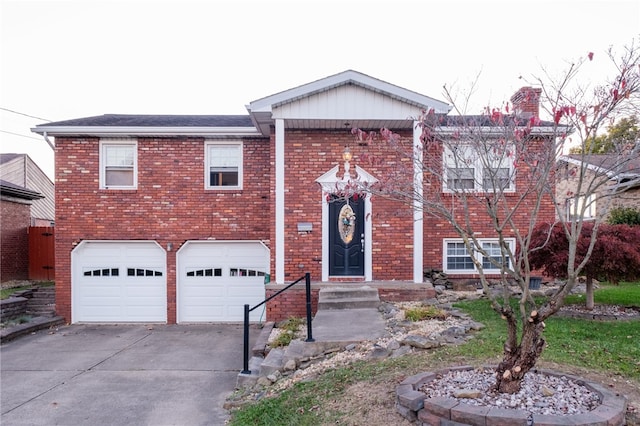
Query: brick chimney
[{"x": 526, "y": 102}]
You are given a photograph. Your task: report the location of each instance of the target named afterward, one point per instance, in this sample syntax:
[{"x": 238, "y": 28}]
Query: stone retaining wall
[{"x": 13, "y": 308}]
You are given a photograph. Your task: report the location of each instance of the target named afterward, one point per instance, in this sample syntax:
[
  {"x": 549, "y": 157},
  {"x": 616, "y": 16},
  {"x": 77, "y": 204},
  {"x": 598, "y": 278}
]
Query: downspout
[{"x": 46, "y": 138}]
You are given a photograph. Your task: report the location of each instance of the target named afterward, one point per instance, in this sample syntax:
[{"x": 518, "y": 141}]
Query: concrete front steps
[
  {"x": 348, "y": 298},
  {"x": 346, "y": 315}
]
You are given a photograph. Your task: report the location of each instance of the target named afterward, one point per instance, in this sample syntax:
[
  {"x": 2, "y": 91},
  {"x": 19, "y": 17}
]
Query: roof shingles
[{"x": 148, "y": 120}]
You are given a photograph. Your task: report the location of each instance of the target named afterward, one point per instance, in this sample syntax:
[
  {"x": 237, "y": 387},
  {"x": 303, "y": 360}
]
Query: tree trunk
[
  {"x": 517, "y": 362},
  {"x": 589, "y": 292}
]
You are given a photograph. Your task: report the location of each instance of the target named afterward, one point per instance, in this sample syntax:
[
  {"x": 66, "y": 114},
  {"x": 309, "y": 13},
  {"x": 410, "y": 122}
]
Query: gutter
[
  {"x": 497, "y": 130},
  {"x": 145, "y": 131}
]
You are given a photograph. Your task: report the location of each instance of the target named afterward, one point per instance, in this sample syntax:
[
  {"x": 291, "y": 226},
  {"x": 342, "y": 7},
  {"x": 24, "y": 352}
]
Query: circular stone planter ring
[{"x": 413, "y": 405}]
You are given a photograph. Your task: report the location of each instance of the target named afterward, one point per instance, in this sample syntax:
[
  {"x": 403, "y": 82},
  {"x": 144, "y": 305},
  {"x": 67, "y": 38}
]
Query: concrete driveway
[{"x": 121, "y": 375}]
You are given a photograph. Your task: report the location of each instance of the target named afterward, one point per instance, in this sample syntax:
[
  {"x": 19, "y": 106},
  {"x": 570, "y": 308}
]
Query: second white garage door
[{"x": 217, "y": 278}]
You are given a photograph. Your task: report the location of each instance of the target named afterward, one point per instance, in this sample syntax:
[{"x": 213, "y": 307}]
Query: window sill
[{"x": 222, "y": 189}]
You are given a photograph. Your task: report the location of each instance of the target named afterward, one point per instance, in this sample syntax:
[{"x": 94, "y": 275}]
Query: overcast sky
[{"x": 79, "y": 58}]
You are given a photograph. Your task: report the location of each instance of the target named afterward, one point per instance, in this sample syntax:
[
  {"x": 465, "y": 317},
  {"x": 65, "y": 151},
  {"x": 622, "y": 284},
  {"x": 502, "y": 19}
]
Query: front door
[{"x": 346, "y": 236}]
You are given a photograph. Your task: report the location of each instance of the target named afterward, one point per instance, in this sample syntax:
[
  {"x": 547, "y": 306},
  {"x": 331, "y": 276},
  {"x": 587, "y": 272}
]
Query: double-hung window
[
  {"x": 223, "y": 169},
  {"x": 118, "y": 164},
  {"x": 585, "y": 207},
  {"x": 458, "y": 260},
  {"x": 489, "y": 169}
]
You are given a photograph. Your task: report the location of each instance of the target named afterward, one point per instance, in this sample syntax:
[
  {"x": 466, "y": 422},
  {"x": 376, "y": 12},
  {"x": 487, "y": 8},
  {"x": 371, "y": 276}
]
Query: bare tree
[{"x": 499, "y": 169}]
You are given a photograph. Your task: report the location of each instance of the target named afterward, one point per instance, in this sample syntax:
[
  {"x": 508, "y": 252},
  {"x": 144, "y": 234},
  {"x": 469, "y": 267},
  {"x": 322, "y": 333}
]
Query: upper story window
[
  {"x": 223, "y": 168},
  {"x": 466, "y": 169},
  {"x": 118, "y": 164}
]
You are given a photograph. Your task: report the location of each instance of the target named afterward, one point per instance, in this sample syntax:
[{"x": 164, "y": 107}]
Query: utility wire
[
  {"x": 18, "y": 134},
  {"x": 26, "y": 115}
]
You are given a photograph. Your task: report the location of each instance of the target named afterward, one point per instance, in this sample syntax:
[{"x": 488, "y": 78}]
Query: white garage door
[
  {"x": 217, "y": 278},
  {"x": 119, "y": 281}
]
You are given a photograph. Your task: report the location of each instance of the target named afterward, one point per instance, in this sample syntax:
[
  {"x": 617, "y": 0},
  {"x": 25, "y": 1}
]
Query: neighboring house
[
  {"x": 181, "y": 218},
  {"x": 21, "y": 170},
  {"x": 610, "y": 180},
  {"x": 15, "y": 219}
]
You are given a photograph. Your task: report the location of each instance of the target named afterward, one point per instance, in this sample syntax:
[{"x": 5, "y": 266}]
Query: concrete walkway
[
  {"x": 348, "y": 325},
  {"x": 121, "y": 375}
]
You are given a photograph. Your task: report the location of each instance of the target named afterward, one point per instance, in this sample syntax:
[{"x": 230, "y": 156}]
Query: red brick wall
[
  {"x": 308, "y": 155},
  {"x": 169, "y": 205},
  {"x": 14, "y": 240},
  {"x": 291, "y": 303},
  {"x": 437, "y": 229}
]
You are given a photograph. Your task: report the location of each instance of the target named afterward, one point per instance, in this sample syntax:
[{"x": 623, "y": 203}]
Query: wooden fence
[{"x": 41, "y": 253}]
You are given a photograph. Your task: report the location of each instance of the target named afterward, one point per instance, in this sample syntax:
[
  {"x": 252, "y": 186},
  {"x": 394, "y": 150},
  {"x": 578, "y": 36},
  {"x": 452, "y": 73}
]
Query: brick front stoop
[{"x": 439, "y": 411}]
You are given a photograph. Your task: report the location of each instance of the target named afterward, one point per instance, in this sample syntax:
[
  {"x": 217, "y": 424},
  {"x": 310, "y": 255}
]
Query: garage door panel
[
  {"x": 143, "y": 301},
  {"x": 216, "y": 279},
  {"x": 101, "y": 291},
  {"x": 140, "y": 312},
  {"x": 146, "y": 291},
  {"x": 119, "y": 281},
  {"x": 103, "y": 314}
]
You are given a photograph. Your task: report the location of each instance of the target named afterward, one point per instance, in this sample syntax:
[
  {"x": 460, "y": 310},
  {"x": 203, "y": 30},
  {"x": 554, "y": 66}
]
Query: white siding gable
[{"x": 347, "y": 102}]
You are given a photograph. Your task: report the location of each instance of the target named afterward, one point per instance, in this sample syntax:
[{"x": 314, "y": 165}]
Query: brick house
[
  {"x": 164, "y": 218},
  {"x": 15, "y": 213}
]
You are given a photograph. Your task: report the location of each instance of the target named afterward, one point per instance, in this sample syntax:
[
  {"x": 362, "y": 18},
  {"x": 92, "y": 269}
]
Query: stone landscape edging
[
  {"x": 415, "y": 406},
  {"x": 34, "y": 325}
]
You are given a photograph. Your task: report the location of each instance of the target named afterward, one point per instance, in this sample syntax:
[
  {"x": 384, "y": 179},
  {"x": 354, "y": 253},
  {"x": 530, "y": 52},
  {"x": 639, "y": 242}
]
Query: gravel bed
[
  {"x": 540, "y": 393},
  {"x": 611, "y": 310}
]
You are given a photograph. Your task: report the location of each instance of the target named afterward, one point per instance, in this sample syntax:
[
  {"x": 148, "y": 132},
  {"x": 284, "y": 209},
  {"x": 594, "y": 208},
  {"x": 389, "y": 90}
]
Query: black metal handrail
[{"x": 307, "y": 278}]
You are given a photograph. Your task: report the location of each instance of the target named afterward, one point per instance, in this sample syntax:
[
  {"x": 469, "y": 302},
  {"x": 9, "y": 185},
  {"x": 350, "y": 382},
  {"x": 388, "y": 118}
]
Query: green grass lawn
[
  {"x": 610, "y": 346},
  {"x": 625, "y": 294},
  {"x": 597, "y": 345},
  {"x": 5, "y": 293}
]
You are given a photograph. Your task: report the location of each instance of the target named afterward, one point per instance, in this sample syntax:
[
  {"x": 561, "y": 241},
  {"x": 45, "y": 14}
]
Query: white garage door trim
[
  {"x": 215, "y": 279},
  {"x": 118, "y": 281}
]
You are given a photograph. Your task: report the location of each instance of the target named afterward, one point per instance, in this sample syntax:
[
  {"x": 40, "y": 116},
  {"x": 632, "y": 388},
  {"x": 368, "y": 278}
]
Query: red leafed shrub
[{"x": 615, "y": 256}]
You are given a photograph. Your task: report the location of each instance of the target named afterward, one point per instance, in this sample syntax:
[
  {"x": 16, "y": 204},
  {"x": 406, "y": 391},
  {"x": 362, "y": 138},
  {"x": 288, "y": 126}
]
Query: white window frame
[
  {"x": 207, "y": 164},
  {"x": 104, "y": 146},
  {"x": 574, "y": 211},
  {"x": 467, "y": 159},
  {"x": 477, "y": 254}
]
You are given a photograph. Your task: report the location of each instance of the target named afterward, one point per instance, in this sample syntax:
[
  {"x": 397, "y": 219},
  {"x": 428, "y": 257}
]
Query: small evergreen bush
[{"x": 624, "y": 216}]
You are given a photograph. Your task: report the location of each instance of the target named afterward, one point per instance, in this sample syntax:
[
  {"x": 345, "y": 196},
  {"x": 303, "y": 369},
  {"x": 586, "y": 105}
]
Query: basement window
[{"x": 458, "y": 260}]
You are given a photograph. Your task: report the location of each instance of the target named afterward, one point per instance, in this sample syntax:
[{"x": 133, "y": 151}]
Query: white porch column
[
  {"x": 325, "y": 236},
  {"x": 418, "y": 214},
  {"x": 280, "y": 168},
  {"x": 368, "y": 239}
]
